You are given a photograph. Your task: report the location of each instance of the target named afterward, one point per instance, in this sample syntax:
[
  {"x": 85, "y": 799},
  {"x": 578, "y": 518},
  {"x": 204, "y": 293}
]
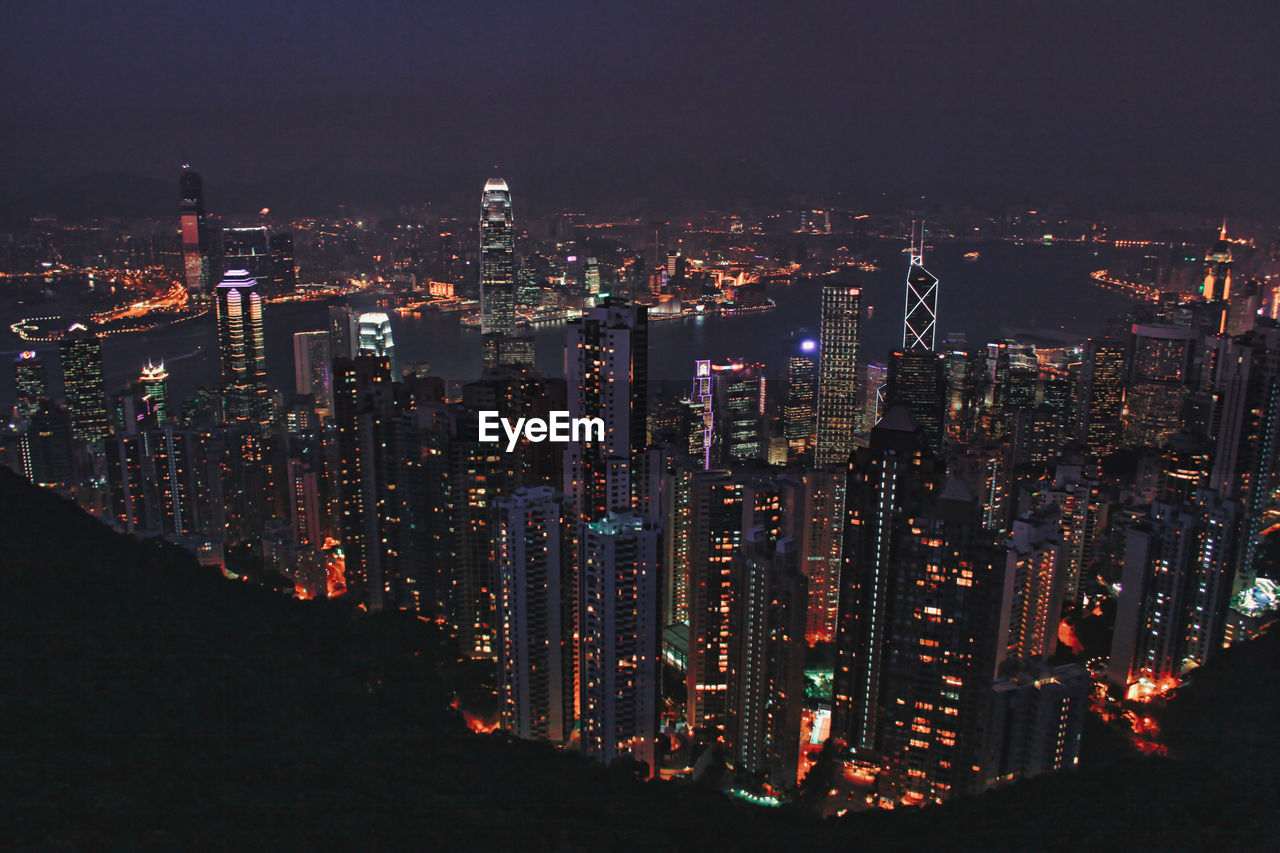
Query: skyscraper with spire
[
  {"x": 497, "y": 262},
  {"x": 916, "y": 377},
  {"x": 1217, "y": 269},
  {"x": 195, "y": 259},
  {"x": 920, "y": 313}
]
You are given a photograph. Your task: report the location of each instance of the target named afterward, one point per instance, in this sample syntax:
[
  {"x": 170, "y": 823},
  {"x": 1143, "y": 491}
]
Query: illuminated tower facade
[
  {"x": 242, "y": 348},
  {"x": 920, "y": 608},
  {"x": 497, "y": 260},
  {"x": 195, "y": 258},
  {"x": 374, "y": 338},
  {"x": 618, "y": 623},
  {"x": 1103, "y": 404},
  {"x": 838, "y": 415},
  {"x": 80, "y": 353},
  {"x": 155, "y": 386},
  {"x": 1217, "y": 269},
  {"x": 536, "y": 662},
  {"x": 801, "y": 406},
  {"x": 30, "y": 382},
  {"x": 920, "y": 314},
  {"x": 916, "y": 377}
]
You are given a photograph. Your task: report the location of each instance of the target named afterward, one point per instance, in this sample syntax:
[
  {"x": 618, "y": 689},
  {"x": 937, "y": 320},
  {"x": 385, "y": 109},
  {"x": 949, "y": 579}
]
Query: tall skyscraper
[
  {"x": 1174, "y": 590},
  {"x": 916, "y": 377},
  {"x": 497, "y": 259},
  {"x": 618, "y": 623},
  {"x": 917, "y": 380},
  {"x": 920, "y": 607},
  {"x": 714, "y": 537},
  {"x": 920, "y": 314},
  {"x": 606, "y": 360},
  {"x": 313, "y": 368},
  {"x": 374, "y": 338},
  {"x": 155, "y": 386},
  {"x": 1245, "y": 423},
  {"x": 1159, "y": 377},
  {"x": 30, "y": 383},
  {"x": 800, "y": 410},
  {"x": 1217, "y": 269},
  {"x": 1103, "y": 404},
  {"x": 838, "y": 400},
  {"x": 195, "y": 250},
  {"x": 242, "y": 348},
  {"x": 80, "y": 353},
  {"x": 536, "y": 660},
  {"x": 738, "y": 405},
  {"x": 766, "y": 658}
]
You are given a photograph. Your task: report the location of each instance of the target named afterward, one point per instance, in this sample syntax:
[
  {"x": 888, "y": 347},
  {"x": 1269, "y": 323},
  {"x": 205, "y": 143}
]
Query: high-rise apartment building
[
  {"x": 619, "y": 638},
  {"x": 536, "y": 660}
]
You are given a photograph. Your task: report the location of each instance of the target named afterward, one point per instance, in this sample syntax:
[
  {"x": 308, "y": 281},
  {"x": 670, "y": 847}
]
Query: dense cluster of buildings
[{"x": 655, "y": 594}]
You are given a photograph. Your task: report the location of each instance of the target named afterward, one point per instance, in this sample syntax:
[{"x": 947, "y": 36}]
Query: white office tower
[
  {"x": 619, "y": 638},
  {"x": 537, "y": 668}
]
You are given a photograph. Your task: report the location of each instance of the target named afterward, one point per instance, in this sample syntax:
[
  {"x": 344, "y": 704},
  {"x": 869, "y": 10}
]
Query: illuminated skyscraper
[
  {"x": 766, "y": 658},
  {"x": 374, "y": 338},
  {"x": 800, "y": 409},
  {"x": 242, "y": 348},
  {"x": 1245, "y": 423},
  {"x": 618, "y": 622},
  {"x": 536, "y": 651},
  {"x": 155, "y": 386},
  {"x": 497, "y": 259},
  {"x": 1103, "y": 404},
  {"x": 714, "y": 537},
  {"x": 838, "y": 415},
  {"x": 920, "y": 315},
  {"x": 738, "y": 403},
  {"x": 195, "y": 255},
  {"x": 1174, "y": 590},
  {"x": 917, "y": 380},
  {"x": 1217, "y": 269},
  {"x": 920, "y": 606},
  {"x": 606, "y": 360},
  {"x": 80, "y": 353},
  {"x": 1158, "y": 380},
  {"x": 30, "y": 382}
]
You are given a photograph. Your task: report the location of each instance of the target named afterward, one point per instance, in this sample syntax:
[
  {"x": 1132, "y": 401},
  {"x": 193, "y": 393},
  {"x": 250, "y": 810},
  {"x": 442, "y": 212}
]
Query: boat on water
[{"x": 971, "y": 256}]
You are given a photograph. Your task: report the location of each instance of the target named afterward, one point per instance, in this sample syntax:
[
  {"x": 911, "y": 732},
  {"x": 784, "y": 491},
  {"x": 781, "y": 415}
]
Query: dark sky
[{"x": 1117, "y": 102}]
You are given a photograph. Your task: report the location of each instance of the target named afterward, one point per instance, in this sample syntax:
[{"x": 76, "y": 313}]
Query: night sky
[{"x": 1115, "y": 103}]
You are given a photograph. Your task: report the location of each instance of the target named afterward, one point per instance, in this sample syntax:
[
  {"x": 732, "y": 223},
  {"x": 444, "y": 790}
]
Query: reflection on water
[{"x": 1035, "y": 288}]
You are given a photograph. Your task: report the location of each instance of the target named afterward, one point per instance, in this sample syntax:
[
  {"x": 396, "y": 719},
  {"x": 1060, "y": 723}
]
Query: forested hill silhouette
[{"x": 148, "y": 703}]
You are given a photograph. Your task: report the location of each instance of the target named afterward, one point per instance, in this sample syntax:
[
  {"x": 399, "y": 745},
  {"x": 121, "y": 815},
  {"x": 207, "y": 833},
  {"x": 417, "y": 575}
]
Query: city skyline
[{"x": 824, "y": 411}]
